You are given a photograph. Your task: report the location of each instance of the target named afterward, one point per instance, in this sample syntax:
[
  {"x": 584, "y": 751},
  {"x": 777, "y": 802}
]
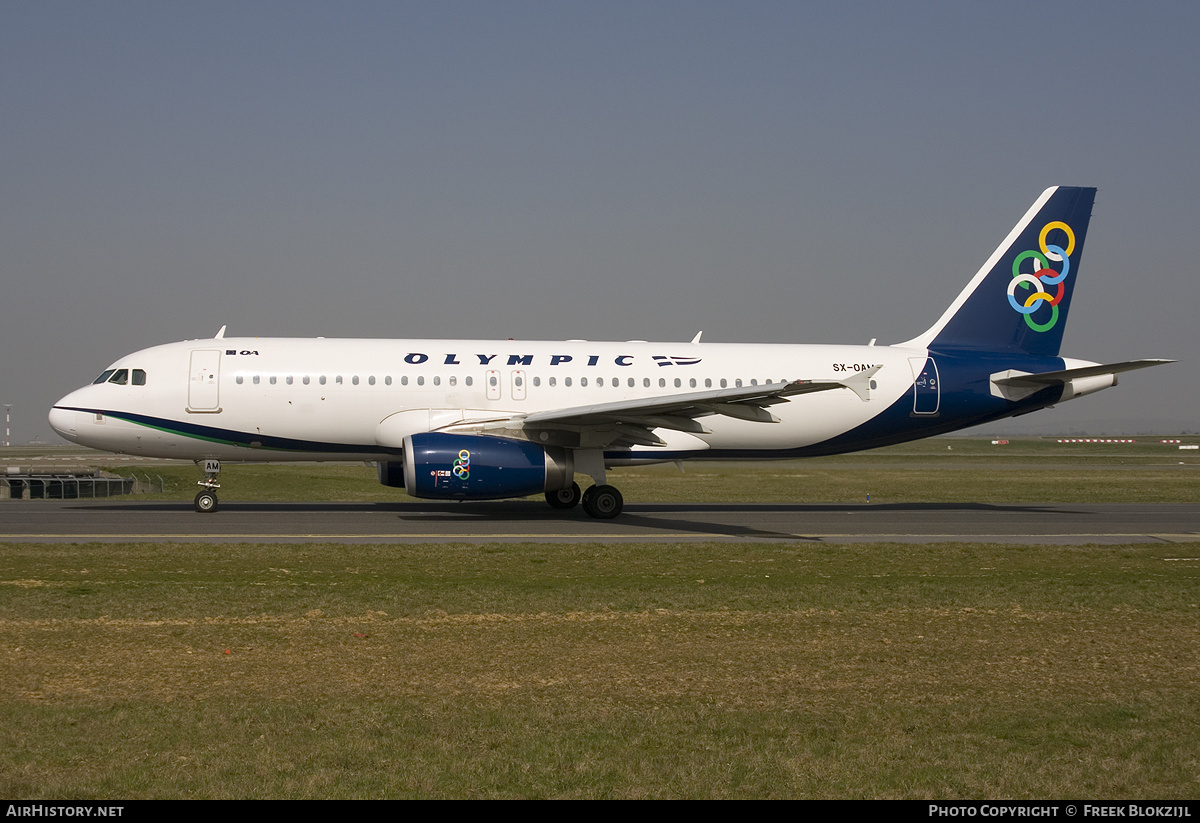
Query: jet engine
[{"x": 477, "y": 467}]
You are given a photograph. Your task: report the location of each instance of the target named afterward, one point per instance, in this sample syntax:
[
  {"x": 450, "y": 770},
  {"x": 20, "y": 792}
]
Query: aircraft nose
[{"x": 63, "y": 421}]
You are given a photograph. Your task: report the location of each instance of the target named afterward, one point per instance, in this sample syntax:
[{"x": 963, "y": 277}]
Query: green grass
[
  {"x": 782, "y": 482},
  {"x": 941, "y": 470},
  {"x": 656, "y": 670},
  {"x": 536, "y": 670}
]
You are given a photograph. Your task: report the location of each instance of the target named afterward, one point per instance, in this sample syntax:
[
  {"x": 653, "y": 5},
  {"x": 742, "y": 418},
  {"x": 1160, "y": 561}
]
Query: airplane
[{"x": 480, "y": 420}]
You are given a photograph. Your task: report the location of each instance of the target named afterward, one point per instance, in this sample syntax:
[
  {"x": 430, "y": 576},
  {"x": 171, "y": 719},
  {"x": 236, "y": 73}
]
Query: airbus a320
[{"x": 480, "y": 420}]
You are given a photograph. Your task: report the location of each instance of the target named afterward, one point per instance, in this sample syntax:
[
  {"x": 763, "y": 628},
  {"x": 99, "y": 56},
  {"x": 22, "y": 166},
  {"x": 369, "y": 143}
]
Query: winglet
[
  {"x": 220, "y": 335},
  {"x": 696, "y": 339}
]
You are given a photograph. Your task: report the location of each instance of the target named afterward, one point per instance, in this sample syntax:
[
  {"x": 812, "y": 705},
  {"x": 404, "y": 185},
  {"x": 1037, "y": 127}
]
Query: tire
[
  {"x": 206, "y": 502},
  {"x": 603, "y": 502},
  {"x": 564, "y": 498}
]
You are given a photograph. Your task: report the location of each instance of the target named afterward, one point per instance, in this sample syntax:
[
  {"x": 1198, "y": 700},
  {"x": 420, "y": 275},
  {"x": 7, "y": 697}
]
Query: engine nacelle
[{"x": 477, "y": 467}]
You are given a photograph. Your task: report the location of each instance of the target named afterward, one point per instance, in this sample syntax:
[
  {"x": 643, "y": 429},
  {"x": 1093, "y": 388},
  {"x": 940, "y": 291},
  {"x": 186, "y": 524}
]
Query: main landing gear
[
  {"x": 206, "y": 498},
  {"x": 602, "y": 502},
  {"x": 564, "y": 498}
]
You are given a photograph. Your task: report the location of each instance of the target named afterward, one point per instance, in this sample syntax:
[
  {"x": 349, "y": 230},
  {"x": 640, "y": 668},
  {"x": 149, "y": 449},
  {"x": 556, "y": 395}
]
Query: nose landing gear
[{"x": 206, "y": 498}]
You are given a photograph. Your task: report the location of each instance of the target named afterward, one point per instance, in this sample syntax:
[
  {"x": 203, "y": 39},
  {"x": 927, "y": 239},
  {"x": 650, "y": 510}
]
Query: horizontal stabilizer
[{"x": 1017, "y": 385}]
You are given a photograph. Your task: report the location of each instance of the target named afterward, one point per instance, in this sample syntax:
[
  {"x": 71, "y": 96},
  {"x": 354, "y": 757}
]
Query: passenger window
[
  {"x": 678, "y": 382},
  {"x": 599, "y": 381},
  {"x": 306, "y": 379},
  {"x": 404, "y": 380},
  {"x": 256, "y": 379},
  {"x": 139, "y": 377},
  {"x": 553, "y": 382},
  {"x": 338, "y": 380},
  {"x": 420, "y": 380},
  {"x": 724, "y": 383},
  {"x": 692, "y": 382},
  {"x": 583, "y": 381},
  {"x": 371, "y": 380},
  {"x": 469, "y": 381},
  {"x": 288, "y": 380},
  {"x": 567, "y": 382},
  {"x": 272, "y": 380},
  {"x": 662, "y": 382},
  {"x": 646, "y": 382},
  {"x": 354, "y": 379},
  {"x": 321, "y": 380},
  {"x": 437, "y": 380},
  {"x": 537, "y": 381},
  {"x": 708, "y": 382},
  {"x": 103, "y": 378},
  {"x": 387, "y": 381},
  {"x": 238, "y": 380}
]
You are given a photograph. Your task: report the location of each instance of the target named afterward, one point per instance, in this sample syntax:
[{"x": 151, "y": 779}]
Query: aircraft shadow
[{"x": 638, "y": 519}]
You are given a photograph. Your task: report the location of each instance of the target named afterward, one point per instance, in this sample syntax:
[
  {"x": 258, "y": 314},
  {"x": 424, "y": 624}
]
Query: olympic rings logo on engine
[
  {"x": 1042, "y": 277},
  {"x": 462, "y": 466}
]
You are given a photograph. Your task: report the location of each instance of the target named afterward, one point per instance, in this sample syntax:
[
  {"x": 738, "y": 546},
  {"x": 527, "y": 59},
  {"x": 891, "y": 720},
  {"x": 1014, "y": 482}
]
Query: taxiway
[{"x": 1054, "y": 523}]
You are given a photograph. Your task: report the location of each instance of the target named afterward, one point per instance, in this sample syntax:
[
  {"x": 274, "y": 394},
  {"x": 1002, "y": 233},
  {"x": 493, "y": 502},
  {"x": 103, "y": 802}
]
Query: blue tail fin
[{"x": 1018, "y": 302}]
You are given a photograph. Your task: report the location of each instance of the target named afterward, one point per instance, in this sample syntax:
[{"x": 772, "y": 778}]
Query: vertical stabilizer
[{"x": 1018, "y": 302}]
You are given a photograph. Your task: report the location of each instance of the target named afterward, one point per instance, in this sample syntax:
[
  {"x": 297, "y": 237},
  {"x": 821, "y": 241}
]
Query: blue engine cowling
[{"x": 477, "y": 467}]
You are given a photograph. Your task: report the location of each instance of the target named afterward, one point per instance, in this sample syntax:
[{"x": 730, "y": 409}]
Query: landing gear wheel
[
  {"x": 603, "y": 502},
  {"x": 564, "y": 498},
  {"x": 206, "y": 501}
]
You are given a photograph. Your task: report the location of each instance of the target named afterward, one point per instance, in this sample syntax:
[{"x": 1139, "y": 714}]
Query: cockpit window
[
  {"x": 139, "y": 377},
  {"x": 103, "y": 378},
  {"x": 120, "y": 377}
]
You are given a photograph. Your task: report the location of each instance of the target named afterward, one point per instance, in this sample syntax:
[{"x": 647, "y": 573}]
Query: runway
[{"x": 79, "y": 521}]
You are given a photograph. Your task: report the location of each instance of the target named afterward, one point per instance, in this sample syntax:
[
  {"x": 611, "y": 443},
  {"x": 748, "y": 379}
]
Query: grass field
[
  {"x": 940, "y": 470},
  {"x": 707, "y": 670},
  {"x": 689, "y": 670}
]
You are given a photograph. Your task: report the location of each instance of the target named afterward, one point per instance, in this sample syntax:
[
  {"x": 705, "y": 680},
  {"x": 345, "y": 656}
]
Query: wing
[{"x": 632, "y": 422}]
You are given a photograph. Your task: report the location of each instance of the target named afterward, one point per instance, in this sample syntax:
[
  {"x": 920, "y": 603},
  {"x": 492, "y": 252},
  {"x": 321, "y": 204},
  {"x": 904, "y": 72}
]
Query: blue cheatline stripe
[{"x": 232, "y": 437}]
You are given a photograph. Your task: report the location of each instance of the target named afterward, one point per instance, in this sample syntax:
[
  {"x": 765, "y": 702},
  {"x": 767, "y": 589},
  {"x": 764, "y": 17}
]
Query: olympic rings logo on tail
[
  {"x": 1043, "y": 276},
  {"x": 462, "y": 466}
]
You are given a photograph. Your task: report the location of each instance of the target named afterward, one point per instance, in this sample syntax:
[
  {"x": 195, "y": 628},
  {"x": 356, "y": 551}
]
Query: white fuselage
[{"x": 275, "y": 399}]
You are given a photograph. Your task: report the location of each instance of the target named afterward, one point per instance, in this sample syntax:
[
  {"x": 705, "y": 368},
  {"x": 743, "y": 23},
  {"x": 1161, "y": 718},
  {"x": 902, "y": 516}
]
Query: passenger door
[{"x": 204, "y": 381}]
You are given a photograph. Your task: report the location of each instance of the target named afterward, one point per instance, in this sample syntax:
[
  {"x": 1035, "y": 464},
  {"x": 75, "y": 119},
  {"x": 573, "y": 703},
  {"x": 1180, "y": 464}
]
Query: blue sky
[{"x": 779, "y": 172}]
